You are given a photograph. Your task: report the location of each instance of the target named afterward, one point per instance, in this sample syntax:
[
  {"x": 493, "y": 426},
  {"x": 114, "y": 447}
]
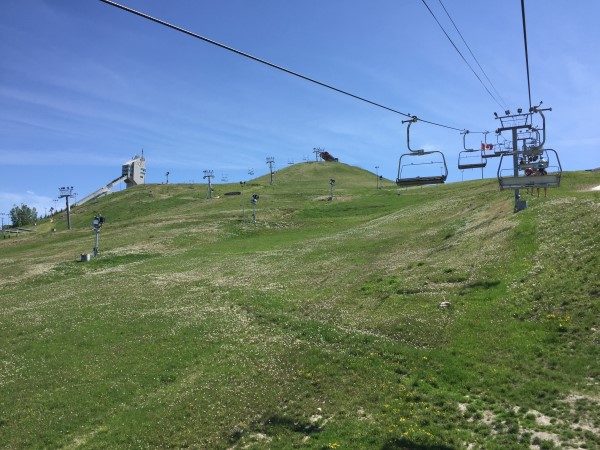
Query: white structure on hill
[{"x": 133, "y": 172}]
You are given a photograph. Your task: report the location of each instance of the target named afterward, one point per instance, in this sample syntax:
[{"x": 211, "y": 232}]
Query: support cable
[
  {"x": 459, "y": 52},
  {"x": 267, "y": 63},
  {"x": 473, "y": 55},
  {"x": 526, "y": 51}
]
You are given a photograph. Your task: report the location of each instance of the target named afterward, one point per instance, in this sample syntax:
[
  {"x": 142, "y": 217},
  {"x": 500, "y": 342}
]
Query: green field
[{"x": 317, "y": 327}]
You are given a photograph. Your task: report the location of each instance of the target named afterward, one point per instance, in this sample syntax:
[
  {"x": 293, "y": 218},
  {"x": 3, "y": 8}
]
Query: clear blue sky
[{"x": 84, "y": 86}]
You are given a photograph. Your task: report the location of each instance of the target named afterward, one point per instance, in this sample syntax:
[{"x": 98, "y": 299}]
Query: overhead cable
[
  {"x": 473, "y": 55},
  {"x": 526, "y": 52},
  {"x": 460, "y": 53},
  {"x": 267, "y": 63}
]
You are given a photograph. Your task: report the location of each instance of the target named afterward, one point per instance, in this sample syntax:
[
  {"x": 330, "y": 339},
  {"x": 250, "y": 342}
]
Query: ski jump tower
[{"x": 133, "y": 172}]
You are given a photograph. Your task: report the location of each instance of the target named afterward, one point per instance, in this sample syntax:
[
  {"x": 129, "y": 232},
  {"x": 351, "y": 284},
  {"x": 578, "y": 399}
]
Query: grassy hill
[{"x": 317, "y": 327}]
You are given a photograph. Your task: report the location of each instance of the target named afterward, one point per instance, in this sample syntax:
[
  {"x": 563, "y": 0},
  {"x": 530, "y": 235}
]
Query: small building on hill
[{"x": 326, "y": 156}]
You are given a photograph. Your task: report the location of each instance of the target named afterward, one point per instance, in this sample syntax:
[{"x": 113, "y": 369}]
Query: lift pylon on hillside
[
  {"x": 404, "y": 181},
  {"x": 531, "y": 166}
]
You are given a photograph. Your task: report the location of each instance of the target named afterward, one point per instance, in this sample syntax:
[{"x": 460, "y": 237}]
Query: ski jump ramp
[{"x": 133, "y": 172}]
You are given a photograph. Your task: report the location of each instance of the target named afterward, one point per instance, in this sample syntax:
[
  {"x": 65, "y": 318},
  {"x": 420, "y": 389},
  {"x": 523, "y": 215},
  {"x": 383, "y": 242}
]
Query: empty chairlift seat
[
  {"x": 471, "y": 159},
  {"x": 403, "y": 180}
]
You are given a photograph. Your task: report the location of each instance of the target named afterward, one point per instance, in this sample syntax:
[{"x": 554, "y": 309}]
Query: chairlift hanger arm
[
  {"x": 540, "y": 111},
  {"x": 464, "y": 139},
  {"x": 485, "y": 133},
  {"x": 410, "y": 121}
]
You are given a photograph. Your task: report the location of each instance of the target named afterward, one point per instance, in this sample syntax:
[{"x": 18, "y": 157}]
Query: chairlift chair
[
  {"x": 419, "y": 180},
  {"x": 485, "y": 147},
  {"x": 549, "y": 178},
  {"x": 503, "y": 149},
  {"x": 536, "y": 161},
  {"x": 498, "y": 149},
  {"x": 464, "y": 163},
  {"x": 466, "y": 157}
]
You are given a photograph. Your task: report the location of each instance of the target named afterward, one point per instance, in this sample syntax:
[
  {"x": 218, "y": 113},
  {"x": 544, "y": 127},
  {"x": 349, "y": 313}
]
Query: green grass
[{"x": 318, "y": 327}]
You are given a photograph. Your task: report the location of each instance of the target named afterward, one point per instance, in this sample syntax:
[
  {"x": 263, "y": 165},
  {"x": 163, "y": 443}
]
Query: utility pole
[
  {"x": 208, "y": 174},
  {"x": 2, "y": 217},
  {"x": 377, "y": 174},
  {"x": 66, "y": 192},
  {"x": 270, "y": 162}
]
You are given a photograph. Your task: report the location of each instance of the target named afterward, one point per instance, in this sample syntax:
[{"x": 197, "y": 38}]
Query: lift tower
[
  {"x": 514, "y": 123},
  {"x": 66, "y": 192},
  {"x": 208, "y": 174},
  {"x": 270, "y": 162}
]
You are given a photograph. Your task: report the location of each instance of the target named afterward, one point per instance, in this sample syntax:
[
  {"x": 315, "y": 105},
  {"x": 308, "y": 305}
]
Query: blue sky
[{"x": 84, "y": 86}]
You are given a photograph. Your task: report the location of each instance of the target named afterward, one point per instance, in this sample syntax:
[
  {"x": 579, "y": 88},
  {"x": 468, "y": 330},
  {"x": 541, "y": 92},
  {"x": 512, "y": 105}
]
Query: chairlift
[
  {"x": 534, "y": 162},
  {"x": 503, "y": 148},
  {"x": 419, "y": 180},
  {"x": 536, "y": 174},
  {"x": 533, "y": 155},
  {"x": 485, "y": 147},
  {"x": 470, "y": 158},
  {"x": 498, "y": 149},
  {"x": 535, "y": 146}
]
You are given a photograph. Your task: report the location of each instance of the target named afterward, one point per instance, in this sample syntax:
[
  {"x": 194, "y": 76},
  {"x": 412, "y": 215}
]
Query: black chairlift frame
[
  {"x": 464, "y": 154},
  {"x": 419, "y": 181}
]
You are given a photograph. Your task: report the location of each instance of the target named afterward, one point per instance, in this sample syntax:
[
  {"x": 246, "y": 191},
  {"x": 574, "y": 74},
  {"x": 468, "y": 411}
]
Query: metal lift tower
[
  {"x": 66, "y": 192},
  {"x": 270, "y": 162},
  {"x": 208, "y": 174}
]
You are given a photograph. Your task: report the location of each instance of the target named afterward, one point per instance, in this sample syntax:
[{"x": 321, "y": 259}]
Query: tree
[{"x": 23, "y": 215}]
